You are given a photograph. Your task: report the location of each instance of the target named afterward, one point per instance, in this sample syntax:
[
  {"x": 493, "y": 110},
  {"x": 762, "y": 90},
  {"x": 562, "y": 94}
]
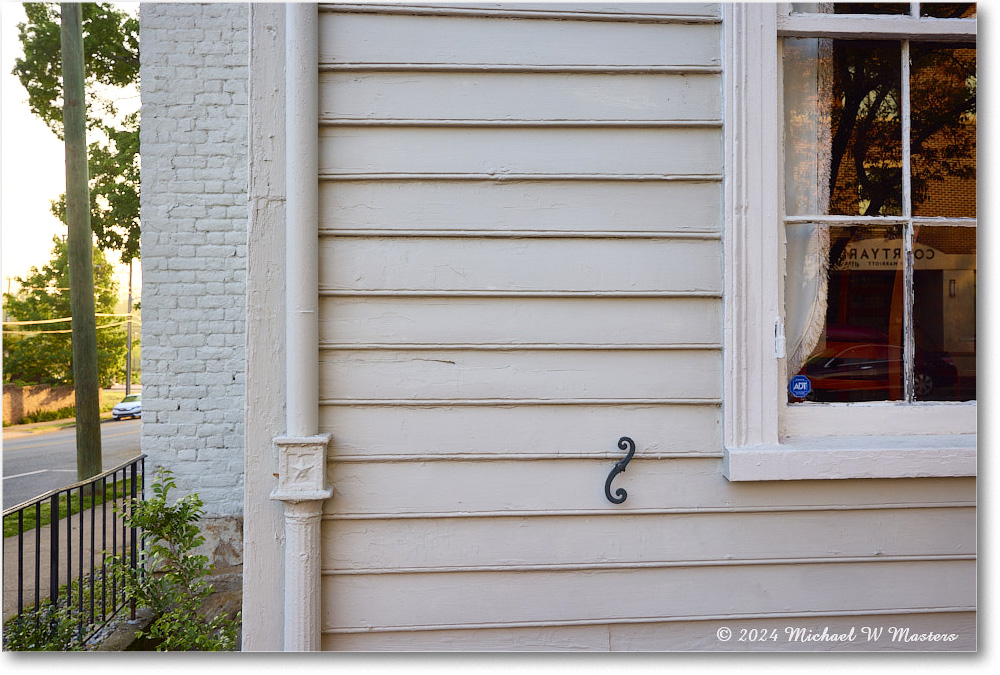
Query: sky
[{"x": 33, "y": 169}]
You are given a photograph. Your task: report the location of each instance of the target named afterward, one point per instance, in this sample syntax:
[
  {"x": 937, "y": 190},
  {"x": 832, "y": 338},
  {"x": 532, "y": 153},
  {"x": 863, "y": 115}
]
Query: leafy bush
[
  {"x": 45, "y": 628},
  {"x": 61, "y": 626},
  {"x": 170, "y": 579}
]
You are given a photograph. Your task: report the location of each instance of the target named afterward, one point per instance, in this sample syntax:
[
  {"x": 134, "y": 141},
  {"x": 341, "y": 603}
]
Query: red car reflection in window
[{"x": 859, "y": 364}]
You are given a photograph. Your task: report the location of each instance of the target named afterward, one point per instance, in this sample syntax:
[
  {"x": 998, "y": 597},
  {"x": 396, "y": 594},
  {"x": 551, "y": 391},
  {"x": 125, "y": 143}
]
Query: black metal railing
[{"x": 77, "y": 530}]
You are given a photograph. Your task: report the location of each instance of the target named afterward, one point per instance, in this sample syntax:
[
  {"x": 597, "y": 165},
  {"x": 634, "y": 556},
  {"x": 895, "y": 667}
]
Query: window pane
[
  {"x": 851, "y": 7},
  {"x": 856, "y": 353},
  {"x": 943, "y": 130},
  {"x": 944, "y": 313},
  {"x": 948, "y": 10},
  {"x": 843, "y": 153},
  {"x": 871, "y": 8}
]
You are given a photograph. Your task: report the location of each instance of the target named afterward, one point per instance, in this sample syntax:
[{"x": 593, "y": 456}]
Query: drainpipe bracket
[{"x": 302, "y": 468}]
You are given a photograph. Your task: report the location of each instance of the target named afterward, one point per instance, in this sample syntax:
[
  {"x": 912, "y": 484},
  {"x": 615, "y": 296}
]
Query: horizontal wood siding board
[
  {"x": 626, "y": 11},
  {"x": 680, "y": 634},
  {"x": 527, "y": 205},
  {"x": 556, "y": 97},
  {"x": 381, "y": 432},
  {"x": 614, "y": 321},
  {"x": 506, "y": 290},
  {"x": 442, "y": 600},
  {"x": 463, "y": 374},
  {"x": 469, "y": 40},
  {"x": 362, "y": 150},
  {"x": 569, "y": 486},
  {"x": 716, "y": 538},
  {"x": 543, "y": 265}
]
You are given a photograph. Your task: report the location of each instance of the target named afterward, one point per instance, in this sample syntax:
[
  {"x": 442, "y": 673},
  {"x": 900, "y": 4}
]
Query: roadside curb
[{"x": 40, "y": 428}]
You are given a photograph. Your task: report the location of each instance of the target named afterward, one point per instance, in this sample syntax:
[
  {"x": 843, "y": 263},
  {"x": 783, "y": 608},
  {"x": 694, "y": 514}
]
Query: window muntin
[{"x": 854, "y": 187}]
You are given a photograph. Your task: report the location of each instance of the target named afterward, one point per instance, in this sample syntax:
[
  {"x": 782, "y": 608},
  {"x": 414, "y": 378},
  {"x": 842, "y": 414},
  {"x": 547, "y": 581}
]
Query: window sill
[{"x": 819, "y": 458}]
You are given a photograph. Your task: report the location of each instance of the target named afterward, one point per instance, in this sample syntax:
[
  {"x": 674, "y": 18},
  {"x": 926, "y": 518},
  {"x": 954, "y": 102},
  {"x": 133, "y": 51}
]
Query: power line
[
  {"x": 31, "y": 333},
  {"x": 66, "y": 318},
  {"x": 60, "y": 288}
]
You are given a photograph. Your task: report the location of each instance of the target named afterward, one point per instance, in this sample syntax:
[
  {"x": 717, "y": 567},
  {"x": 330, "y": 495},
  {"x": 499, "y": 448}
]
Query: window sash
[
  {"x": 764, "y": 438},
  {"x": 870, "y": 27},
  {"x": 876, "y": 27}
]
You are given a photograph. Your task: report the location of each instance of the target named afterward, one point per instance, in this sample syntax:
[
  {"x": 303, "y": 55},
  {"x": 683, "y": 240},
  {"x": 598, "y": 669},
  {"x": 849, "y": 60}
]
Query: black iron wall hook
[{"x": 625, "y": 443}]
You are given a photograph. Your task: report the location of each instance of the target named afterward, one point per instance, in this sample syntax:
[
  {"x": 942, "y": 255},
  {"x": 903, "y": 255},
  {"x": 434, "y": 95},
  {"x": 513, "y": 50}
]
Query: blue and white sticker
[{"x": 799, "y": 386}]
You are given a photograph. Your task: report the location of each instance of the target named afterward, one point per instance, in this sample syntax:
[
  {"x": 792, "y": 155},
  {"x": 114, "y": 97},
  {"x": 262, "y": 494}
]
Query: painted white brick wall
[{"x": 194, "y": 60}]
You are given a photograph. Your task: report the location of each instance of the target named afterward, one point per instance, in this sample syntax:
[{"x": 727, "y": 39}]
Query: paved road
[{"x": 33, "y": 464}]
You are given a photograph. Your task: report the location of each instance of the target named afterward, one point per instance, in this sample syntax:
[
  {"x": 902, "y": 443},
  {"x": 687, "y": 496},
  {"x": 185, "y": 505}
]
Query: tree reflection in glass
[{"x": 866, "y": 156}]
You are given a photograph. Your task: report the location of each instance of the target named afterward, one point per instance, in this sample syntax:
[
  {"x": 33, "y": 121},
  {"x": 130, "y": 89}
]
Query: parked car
[
  {"x": 130, "y": 406},
  {"x": 858, "y": 364}
]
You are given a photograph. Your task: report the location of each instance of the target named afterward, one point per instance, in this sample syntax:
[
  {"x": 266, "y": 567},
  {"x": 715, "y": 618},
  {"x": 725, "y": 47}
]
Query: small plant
[
  {"x": 45, "y": 628},
  {"x": 170, "y": 578},
  {"x": 63, "y": 625}
]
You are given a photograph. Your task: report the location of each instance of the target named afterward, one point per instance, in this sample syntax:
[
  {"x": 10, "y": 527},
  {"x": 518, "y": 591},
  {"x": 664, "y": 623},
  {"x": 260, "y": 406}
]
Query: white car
[{"x": 131, "y": 406}]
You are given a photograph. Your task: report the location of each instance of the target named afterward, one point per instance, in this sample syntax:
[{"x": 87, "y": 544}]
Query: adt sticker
[{"x": 800, "y": 386}]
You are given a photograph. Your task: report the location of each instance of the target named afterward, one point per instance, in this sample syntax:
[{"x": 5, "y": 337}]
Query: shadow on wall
[{"x": 19, "y": 402}]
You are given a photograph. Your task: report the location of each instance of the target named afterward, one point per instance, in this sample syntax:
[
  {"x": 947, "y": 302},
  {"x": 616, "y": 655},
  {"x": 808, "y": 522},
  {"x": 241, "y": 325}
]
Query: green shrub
[
  {"x": 170, "y": 579},
  {"x": 61, "y": 626},
  {"x": 46, "y": 628}
]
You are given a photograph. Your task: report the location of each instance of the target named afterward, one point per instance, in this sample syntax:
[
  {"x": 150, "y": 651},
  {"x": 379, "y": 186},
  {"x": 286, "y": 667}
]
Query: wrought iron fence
[{"x": 74, "y": 533}]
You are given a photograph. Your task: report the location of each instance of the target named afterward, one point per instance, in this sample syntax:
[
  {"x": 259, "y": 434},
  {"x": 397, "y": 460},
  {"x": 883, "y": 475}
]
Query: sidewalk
[{"x": 37, "y": 428}]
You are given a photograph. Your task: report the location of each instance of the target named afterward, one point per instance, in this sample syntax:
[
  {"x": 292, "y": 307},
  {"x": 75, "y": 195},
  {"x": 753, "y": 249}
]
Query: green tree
[
  {"x": 111, "y": 44},
  {"x": 35, "y": 353}
]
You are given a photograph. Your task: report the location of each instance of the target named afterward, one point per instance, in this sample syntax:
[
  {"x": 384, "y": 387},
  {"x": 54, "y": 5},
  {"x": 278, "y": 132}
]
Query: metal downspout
[{"x": 302, "y": 451}]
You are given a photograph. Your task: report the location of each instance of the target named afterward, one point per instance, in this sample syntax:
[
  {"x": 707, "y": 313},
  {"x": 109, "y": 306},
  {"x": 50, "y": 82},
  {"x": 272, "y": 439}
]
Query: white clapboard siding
[
  {"x": 359, "y": 547},
  {"x": 524, "y": 205},
  {"x": 568, "y": 486},
  {"x": 760, "y": 633},
  {"x": 388, "y": 39},
  {"x": 542, "y": 265},
  {"x": 595, "y": 11},
  {"x": 692, "y": 374},
  {"x": 495, "y": 598},
  {"x": 540, "y": 150},
  {"x": 520, "y": 262},
  {"x": 372, "y": 432},
  {"x": 348, "y": 96},
  {"x": 511, "y": 322}
]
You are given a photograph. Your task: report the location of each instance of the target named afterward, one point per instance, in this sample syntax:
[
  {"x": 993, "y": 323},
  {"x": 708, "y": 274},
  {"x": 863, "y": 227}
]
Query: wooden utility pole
[{"x": 80, "y": 247}]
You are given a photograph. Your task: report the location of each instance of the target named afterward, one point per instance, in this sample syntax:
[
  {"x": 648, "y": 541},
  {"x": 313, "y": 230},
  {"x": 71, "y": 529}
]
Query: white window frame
[{"x": 765, "y": 438}]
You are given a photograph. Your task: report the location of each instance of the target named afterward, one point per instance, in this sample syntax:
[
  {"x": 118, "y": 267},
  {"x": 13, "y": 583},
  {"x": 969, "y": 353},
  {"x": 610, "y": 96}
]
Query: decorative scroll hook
[{"x": 625, "y": 443}]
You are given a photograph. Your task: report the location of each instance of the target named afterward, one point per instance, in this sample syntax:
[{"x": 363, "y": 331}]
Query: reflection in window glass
[
  {"x": 866, "y": 151},
  {"x": 944, "y": 313},
  {"x": 843, "y": 148},
  {"x": 943, "y": 130},
  {"x": 938, "y": 10},
  {"x": 854, "y": 345},
  {"x": 871, "y": 8},
  {"x": 948, "y": 10}
]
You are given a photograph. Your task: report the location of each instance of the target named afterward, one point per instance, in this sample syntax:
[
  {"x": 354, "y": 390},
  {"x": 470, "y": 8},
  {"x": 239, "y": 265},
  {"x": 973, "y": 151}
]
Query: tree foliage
[
  {"x": 38, "y": 357},
  {"x": 111, "y": 56}
]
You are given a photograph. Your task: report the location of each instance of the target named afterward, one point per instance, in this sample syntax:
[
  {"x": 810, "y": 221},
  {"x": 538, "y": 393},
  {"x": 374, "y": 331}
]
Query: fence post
[
  {"x": 54, "y": 549},
  {"x": 134, "y": 562}
]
